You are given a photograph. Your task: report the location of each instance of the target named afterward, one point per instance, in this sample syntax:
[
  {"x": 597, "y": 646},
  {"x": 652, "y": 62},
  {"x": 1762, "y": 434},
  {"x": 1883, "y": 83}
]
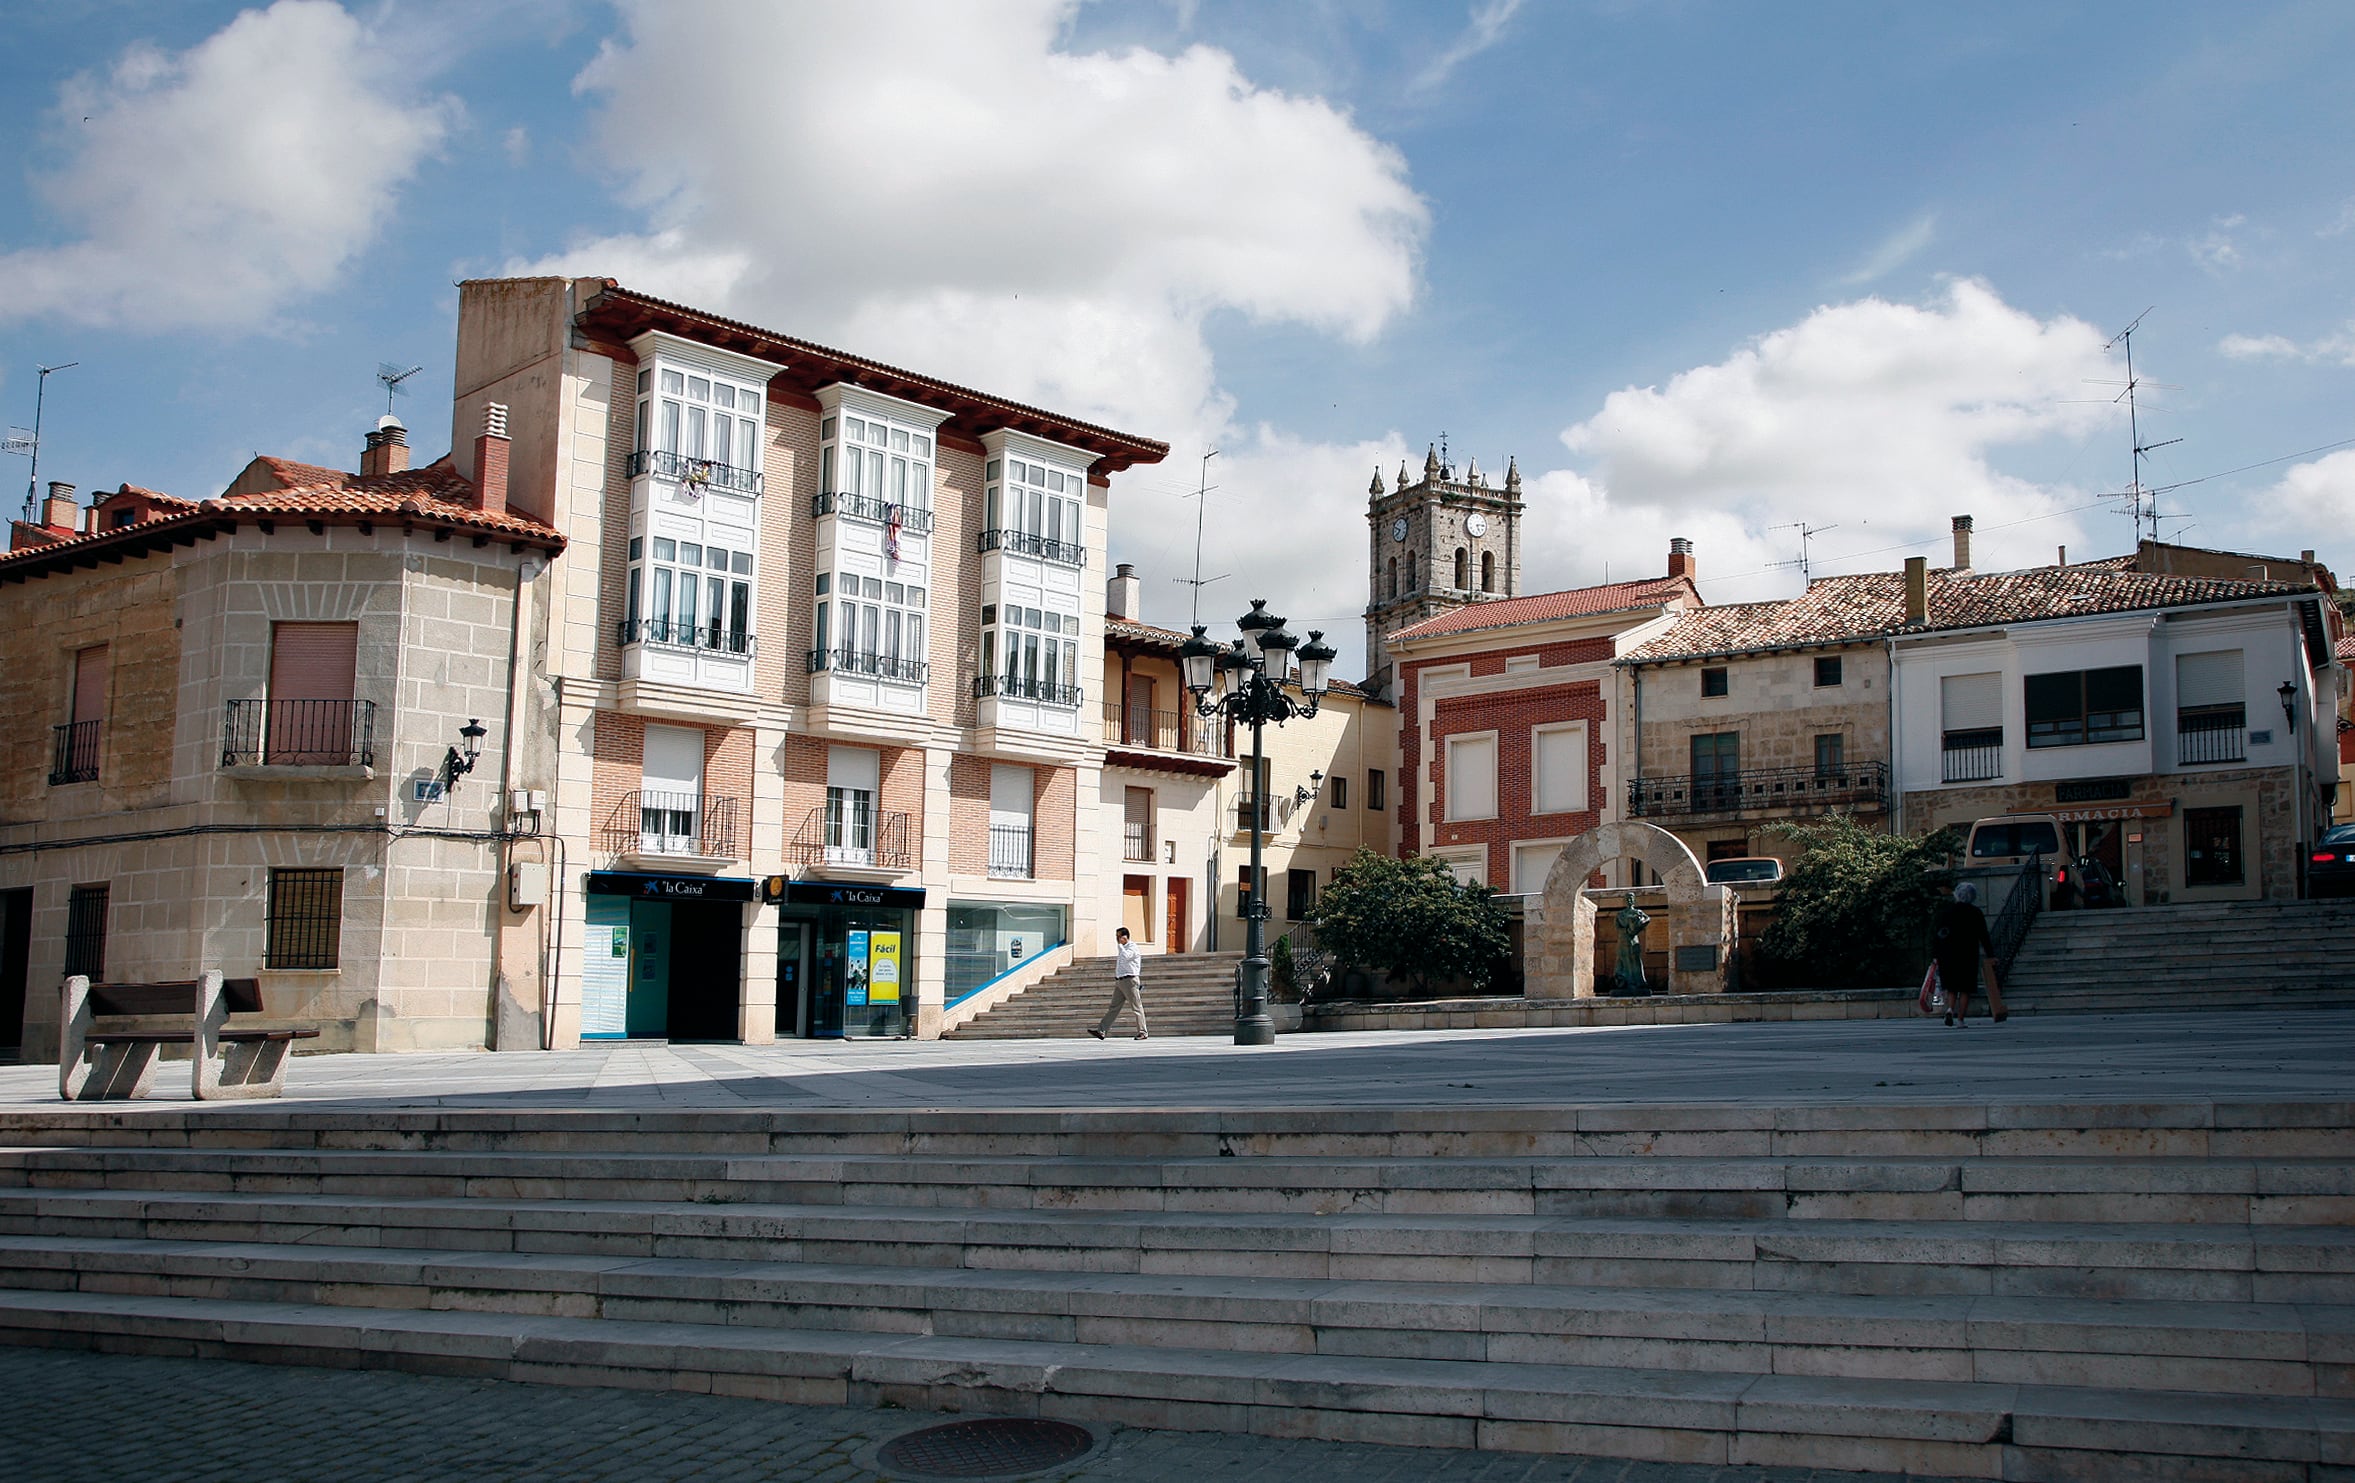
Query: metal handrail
[
  {"x": 657, "y": 823},
  {"x": 1758, "y": 787},
  {"x": 1023, "y": 543},
  {"x": 712, "y": 636},
  {"x": 1010, "y": 852},
  {"x": 914, "y": 519},
  {"x": 681, "y": 467},
  {"x": 1163, "y": 731},
  {"x": 833, "y": 836},
  {"x": 861, "y": 662},
  {"x": 2217, "y": 734},
  {"x": 2009, "y": 930},
  {"x": 299, "y": 733},
  {"x": 1974, "y": 756}
]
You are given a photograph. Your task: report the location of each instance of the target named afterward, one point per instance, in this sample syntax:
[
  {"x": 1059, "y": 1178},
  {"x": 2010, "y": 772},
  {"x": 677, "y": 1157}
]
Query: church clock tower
[{"x": 1438, "y": 544}]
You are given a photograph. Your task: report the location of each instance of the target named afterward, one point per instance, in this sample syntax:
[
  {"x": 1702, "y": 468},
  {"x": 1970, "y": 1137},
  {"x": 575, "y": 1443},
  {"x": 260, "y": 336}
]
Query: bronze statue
[{"x": 1631, "y": 920}]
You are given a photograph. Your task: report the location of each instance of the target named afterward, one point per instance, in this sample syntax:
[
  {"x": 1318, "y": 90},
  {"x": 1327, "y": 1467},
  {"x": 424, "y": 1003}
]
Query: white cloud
[
  {"x": 2312, "y": 498},
  {"x": 2335, "y": 348},
  {"x": 2215, "y": 249},
  {"x": 1484, "y": 28},
  {"x": 218, "y": 185},
  {"x": 1880, "y": 418},
  {"x": 1895, "y": 250},
  {"x": 516, "y": 143}
]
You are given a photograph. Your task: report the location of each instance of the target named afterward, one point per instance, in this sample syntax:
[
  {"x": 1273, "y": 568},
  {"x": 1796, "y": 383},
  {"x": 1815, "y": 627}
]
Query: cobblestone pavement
[
  {"x": 2243, "y": 1054},
  {"x": 73, "y": 1417}
]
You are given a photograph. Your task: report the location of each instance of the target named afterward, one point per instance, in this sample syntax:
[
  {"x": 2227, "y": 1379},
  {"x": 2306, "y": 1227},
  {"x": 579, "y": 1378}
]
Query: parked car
[
  {"x": 2007, "y": 842},
  {"x": 1744, "y": 870},
  {"x": 2330, "y": 868}
]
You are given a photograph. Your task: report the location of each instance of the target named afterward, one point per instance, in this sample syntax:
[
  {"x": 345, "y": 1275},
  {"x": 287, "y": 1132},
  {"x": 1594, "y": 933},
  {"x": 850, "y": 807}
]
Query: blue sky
[{"x": 1705, "y": 269}]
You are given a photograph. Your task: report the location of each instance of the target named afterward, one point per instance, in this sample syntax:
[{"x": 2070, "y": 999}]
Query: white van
[{"x": 2006, "y": 843}]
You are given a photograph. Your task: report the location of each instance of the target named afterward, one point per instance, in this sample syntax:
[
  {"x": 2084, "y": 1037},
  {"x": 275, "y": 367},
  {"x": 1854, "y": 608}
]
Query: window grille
[
  {"x": 306, "y": 918},
  {"x": 85, "y": 932}
]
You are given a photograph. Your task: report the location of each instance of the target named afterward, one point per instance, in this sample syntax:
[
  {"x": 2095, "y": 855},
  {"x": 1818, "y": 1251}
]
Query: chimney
[
  {"x": 1917, "y": 591},
  {"x": 490, "y": 460},
  {"x": 2306, "y": 558},
  {"x": 388, "y": 448},
  {"x": 59, "y": 513},
  {"x": 1962, "y": 543},
  {"x": 1680, "y": 559},
  {"x": 2064, "y": 556},
  {"x": 1125, "y": 593}
]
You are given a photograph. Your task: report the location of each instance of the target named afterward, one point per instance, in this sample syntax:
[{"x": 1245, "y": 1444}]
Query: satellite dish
[{"x": 392, "y": 376}]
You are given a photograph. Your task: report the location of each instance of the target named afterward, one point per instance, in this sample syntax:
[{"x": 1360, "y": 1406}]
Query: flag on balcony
[{"x": 891, "y": 531}]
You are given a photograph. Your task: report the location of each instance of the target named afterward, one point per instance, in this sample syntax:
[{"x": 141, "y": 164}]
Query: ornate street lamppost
[{"x": 1249, "y": 675}]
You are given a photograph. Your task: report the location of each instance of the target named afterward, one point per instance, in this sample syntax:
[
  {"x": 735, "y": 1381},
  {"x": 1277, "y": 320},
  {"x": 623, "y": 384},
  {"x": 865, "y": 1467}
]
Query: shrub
[
  {"x": 1413, "y": 920},
  {"x": 1855, "y": 909}
]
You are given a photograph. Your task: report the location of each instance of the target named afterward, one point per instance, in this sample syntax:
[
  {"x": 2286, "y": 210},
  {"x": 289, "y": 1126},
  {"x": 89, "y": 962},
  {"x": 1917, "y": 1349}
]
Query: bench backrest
[{"x": 239, "y": 995}]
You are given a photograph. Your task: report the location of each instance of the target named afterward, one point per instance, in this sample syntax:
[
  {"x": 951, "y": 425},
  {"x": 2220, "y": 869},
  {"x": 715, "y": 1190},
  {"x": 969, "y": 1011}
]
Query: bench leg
[
  {"x": 255, "y": 1068},
  {"x": 122, "y": 1072}
]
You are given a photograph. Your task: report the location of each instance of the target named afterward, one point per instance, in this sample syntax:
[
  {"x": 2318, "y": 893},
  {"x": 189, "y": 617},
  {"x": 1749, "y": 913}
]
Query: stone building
[
  {"x": 1435, "y": 545},
  {"x": 225, "y": 735},
  {"x": 1509, "y": 721}
]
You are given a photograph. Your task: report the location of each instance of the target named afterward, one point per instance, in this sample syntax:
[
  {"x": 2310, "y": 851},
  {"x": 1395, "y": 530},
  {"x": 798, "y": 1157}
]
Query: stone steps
[
  {"x": 1960, "y": 1428},
  {"x": 1185, "y": 994},
  {"x": 2279, "y": 954},
  {"x": 2035, "y": 1292},
  {"x": 2226, "y": 1348}
]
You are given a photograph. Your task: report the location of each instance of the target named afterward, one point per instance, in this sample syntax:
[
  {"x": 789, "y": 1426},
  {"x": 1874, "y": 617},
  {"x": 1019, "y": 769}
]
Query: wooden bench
[{"x": 228, "y": 1063}]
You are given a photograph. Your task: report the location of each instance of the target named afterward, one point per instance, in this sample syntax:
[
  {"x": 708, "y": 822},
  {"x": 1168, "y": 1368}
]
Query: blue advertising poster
[{"x": 854, "y": 984}]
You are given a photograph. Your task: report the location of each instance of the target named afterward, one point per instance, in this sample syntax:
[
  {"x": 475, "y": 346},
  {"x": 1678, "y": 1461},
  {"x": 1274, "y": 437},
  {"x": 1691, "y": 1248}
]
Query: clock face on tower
[
  {"x": 1398, "y": 529},
  {"x": 1477, "y": 525}
]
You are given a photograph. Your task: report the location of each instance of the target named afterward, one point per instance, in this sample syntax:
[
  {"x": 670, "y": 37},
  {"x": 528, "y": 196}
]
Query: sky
[{"x": 1731, "y": 272}]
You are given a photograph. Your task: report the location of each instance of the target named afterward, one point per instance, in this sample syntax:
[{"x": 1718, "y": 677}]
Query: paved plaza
[
  {"x": 2237, "y": 1055},
  {"x": 89, "y": 1418}
]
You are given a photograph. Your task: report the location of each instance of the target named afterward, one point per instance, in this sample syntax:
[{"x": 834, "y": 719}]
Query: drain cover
[{"x": 1000, "y": 1447}]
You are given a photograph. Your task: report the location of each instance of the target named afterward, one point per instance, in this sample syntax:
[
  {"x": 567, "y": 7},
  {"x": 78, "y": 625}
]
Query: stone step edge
[
  {"x": 1480, "y": 1235},
  {"x": 1501, "y": 1406},
  {"x": 1664, "y": 1313}
]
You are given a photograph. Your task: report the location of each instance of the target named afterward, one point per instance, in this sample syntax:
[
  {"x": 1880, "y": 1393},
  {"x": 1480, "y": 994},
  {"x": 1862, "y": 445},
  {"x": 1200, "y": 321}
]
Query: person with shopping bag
[{"x": 1959, "y": 949}]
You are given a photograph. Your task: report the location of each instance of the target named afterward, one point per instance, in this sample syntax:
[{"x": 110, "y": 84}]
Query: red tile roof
[
  {"x": 1837, "y": 610},
  {"x": 2346, "y": 649},
  {"x": 435, "y": 497},
  {"x": 1546, "y": 607}
]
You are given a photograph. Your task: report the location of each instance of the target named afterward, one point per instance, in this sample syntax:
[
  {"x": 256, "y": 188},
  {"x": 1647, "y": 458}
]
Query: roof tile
[{"x": 1542, "y": 607}]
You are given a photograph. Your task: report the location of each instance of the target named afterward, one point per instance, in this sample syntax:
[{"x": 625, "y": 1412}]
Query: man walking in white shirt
[{"x": 1128, "y": 974}]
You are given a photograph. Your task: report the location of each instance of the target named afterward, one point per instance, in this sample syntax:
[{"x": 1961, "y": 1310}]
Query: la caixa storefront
[
  {"x": 664, "y": 956},
  {"x": 846, "y": 958}
]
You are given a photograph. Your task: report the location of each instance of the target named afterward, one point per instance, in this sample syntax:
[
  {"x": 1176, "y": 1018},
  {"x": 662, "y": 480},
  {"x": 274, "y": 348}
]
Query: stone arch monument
[{"x": 1558, "y": 945}]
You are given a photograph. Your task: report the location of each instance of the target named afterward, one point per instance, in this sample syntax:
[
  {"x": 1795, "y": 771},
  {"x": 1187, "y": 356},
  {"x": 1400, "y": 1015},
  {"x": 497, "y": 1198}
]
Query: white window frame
[
  {"x": 1035, "y": 505},
  {"x": 1580, "y": 797},
  {"x": 1469, "y": 862},
  {"x": 686, "y": 410},
  {"x": 877, "y": 629},
  {"x": 661, "y": 609},
  {"x": 1031, "y": 653},
  {"x": 877, "y": 459},
  {"x": 1455, "y": 774}
]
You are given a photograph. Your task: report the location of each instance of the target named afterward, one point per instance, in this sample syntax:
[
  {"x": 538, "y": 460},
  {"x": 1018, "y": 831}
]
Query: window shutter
[
  {"x": 1138, "y": 809},
  {"x": 1012, "y": 793},
  {"x": 1971, "y": 702},
  {"x": 673, "y": 761},
  {"x": 1559, "y": 760},
  {"x": 89, "y": 684},
  {"x": 2209, "y": 679},
  {"x": 1471, "y": 777},
  {"x": 853, "y": 768},
  {"x": 312, "y": 661}
]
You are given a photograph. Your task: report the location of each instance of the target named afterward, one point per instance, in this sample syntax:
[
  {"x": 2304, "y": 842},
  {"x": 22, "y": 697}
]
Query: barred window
[
  {"x": 85, "y": 933},
  {"x": 306, "y": 918}
]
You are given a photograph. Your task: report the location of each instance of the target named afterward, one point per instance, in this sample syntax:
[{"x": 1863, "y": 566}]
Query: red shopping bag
[{"x": 1933, "y": 1000}]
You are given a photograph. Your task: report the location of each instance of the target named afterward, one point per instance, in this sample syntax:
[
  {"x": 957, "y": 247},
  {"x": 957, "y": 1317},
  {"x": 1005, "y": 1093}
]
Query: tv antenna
[
  {"x": 29, "y": 444},
  {"x": 1201, "y": 502},
  {"x": 392, "y": 376},
  {"x": 2141, "y": 501},
  {"x": 1806, "y": 533}
]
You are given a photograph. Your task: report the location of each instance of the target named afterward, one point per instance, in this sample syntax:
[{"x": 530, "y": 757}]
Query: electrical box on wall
[{"x": 527, "y": 885}]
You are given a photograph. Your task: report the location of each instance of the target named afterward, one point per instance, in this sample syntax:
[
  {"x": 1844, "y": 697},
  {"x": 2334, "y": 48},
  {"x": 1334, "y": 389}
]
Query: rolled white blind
[
  {"x": 1971, "y": 702},
  {"x": 2209, "y": 679},
  {"x": 1471, "y": 777}
]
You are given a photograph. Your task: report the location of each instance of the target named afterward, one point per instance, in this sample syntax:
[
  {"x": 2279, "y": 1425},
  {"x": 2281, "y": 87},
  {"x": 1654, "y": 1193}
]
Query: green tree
[
  {"x": 1414, "y": 920},
  {"x": 1855, "y": 909}
]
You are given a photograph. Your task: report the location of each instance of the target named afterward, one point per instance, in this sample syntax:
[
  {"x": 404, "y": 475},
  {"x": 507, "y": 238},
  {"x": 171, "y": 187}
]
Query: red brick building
[{"x": 1507, "y": 721}]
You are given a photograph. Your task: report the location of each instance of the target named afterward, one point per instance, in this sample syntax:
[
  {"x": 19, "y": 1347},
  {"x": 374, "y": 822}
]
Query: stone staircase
[
  {"x": 2250, "y": 954},
  {"x": 2062, "y": 1293},
  {"x": 1185, "y": 994}
]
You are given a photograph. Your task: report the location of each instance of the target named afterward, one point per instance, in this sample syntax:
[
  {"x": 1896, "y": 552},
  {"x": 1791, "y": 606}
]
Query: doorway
[
  {"x": 706, "y": 970},
  {"x": 1136, "y": 906},
  {"x": 1175, "y": 939},
  {"x": 16, "y": 940},
  {"x": 793, "y": 976}
]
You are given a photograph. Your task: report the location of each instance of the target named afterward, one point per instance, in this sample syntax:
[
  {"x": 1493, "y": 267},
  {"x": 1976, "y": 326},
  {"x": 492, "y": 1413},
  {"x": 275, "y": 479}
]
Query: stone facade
[{"x": 1419, "y": 534}]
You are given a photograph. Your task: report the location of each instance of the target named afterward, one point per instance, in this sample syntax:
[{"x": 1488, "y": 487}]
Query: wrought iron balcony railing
[
  {"x": 299, "y": 733},
  {"x": 664, "y": 823},
  {"x": 1760, "y": 788},
  {"x": 1973, "y": 756},
  {"x": 1163, "y": 731},
  {"x": 1009, "y": 852},
  {"x": 860, "y": 662},
  {"x": 2211, "y": 734},
  {"x": 911, "y": 518},
  {"x": 853, "y": 834},
  {"x": 693, "y": 471},
  {"x": 685, "y": 635},
  {"x": 1274, "y": 813},
  {"x": 1020, "y": 687},
  {"x": 1023, "y": 543},
  {"x": 73, "y": 756},
  {"x": 1136, "y": 842}
]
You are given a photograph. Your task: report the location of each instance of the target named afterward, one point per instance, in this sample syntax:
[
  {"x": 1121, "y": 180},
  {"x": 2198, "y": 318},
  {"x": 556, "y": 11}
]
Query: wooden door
[{"x": 1176, "y": 939}]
